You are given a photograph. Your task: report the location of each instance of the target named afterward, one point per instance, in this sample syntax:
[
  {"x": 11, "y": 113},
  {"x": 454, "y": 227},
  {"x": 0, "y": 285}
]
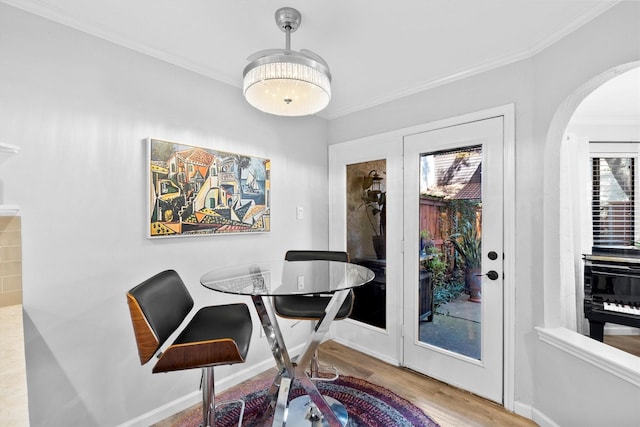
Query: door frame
[
  {"x": 507, "y": 111},
  {"x": 480, "y": 373},
  {"x": 386, "y": 344}
]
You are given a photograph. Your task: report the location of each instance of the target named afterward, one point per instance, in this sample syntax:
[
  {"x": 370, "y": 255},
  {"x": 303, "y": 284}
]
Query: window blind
[{"x": 613, "y": 196}]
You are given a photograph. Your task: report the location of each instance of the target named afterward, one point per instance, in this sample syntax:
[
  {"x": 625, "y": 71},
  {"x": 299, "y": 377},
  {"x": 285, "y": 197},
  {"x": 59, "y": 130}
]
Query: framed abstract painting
[{"x": 195, "y": 191}]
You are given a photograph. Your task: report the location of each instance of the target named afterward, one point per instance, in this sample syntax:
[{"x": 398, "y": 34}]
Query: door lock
[{"x": 493, "y": 275}]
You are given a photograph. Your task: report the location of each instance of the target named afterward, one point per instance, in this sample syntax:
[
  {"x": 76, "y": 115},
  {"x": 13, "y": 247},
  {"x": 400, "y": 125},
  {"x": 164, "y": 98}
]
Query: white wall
[
  {"x": 565, "y": 74},
  {"x": 79, "y": 108},
  {"x": 539, "y": 87}
]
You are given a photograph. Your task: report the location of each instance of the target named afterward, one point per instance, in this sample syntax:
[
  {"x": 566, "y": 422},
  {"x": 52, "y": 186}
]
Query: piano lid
[{"x": 627, "y": 254}]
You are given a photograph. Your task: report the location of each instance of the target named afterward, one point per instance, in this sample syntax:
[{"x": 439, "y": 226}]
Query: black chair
[
  {"x": 312, "y": 307},
  {"x": 216, "y": 335}
]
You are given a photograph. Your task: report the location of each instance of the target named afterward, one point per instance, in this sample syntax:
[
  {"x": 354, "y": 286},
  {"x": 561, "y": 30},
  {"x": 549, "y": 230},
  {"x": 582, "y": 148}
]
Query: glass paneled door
[
  {"x": 365, "y": 213},
  {"x": 453, "y": 296}
]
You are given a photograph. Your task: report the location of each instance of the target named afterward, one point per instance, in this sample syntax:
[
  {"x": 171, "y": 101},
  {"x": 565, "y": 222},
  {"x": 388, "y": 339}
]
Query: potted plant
[
  {"x": 426, "y": 243},
  {"x": 468, "y": 245},
  {"x": 374, "y": 201}
]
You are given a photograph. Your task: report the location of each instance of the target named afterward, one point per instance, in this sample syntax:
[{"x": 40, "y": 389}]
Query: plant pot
[
  {"x": 473, "y": 280},
  {"x": 380, "y": 246}
]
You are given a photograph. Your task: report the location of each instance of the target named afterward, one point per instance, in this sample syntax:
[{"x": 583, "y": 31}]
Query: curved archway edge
[{"x": 553, "y": 311}]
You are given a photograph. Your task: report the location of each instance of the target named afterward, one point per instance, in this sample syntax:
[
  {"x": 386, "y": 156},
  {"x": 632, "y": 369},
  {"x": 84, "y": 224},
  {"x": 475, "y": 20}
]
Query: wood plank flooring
[
  {"x": 448, "y": 406},
  {"x": 628, "y": 343}
]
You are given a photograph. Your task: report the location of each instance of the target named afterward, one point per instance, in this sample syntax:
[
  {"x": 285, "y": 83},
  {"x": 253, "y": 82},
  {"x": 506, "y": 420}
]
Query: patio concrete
[{"x": 456, "y": 327}]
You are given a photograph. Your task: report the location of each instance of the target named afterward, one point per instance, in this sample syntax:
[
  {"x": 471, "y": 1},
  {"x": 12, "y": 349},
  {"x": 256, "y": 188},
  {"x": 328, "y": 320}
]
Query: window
[{"x": 613, "y": 198}]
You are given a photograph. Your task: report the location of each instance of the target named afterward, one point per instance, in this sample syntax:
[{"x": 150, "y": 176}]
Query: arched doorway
[{"x": 586, "y": 118}]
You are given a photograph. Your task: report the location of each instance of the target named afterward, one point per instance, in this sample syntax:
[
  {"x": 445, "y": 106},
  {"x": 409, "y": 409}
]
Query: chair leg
[
  {"x": 208, "y": 398},
  {"x": 315, "y": 370},
  {"x": 315, "y": 365}
]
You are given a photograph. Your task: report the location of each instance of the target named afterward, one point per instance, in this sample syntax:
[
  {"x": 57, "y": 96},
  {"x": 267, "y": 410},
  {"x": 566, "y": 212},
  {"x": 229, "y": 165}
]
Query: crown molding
[
  {"x": 433, "y": 83},
  {"x": 54, "y": 14},
  {"x": 483, "y": 67},
  {"x": 573, "y": 26},
  {"x": 39, "y": 8}
]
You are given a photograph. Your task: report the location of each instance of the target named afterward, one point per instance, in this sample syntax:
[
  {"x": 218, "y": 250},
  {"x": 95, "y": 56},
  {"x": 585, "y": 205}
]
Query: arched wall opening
[{"x": 561, "y": 288}]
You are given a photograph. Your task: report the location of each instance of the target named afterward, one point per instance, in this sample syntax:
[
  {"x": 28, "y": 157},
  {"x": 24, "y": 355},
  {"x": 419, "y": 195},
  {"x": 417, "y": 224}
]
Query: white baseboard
[
  {"x": 541, "y": 419},
  {"x": 195, "y": 397},
  {"x": 164, "y": 411},
  {"x": 528, "y": 411},
  {"x": 523, "y": 409},
  {"x": 367, "y": 351}
]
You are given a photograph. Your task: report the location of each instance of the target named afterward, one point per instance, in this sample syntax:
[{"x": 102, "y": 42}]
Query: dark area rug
[{"x": 368, "y": 405}]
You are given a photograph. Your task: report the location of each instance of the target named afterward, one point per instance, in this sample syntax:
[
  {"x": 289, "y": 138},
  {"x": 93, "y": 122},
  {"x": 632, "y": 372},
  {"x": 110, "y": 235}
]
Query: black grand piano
[{"x": 611, "y": 288}]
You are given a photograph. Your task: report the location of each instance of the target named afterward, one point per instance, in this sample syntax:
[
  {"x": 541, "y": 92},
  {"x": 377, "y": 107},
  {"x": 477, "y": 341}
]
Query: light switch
[{"x": 299, "y": 212}]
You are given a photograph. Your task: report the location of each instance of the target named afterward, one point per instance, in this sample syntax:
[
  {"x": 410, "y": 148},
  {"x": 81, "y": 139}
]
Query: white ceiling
[{"x": 377, "y": 50}]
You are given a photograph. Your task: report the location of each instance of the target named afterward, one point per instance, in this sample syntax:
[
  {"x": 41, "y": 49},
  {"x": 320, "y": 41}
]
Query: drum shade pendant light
[{"x": 285, "y": 82}]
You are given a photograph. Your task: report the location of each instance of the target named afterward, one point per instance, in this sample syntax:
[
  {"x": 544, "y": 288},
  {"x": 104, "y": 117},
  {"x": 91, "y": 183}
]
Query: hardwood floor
[
  {"x": 447, "y": 405},
  {"x": 628, "y": 343}
]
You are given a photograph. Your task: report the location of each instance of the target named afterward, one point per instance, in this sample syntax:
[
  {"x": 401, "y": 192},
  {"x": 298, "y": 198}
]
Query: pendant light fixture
[{"x": 285, "y": 82}]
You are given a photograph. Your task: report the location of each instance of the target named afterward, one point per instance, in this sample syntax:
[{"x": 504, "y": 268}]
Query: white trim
[
  {"x": 563, "y": 32},
  {"x": 508, "y": 113},
  {"x": 164, "y": 411},
  {"x": 523, "y": 409},
  {"x": 499, "y": 111},
  {"x": 383, "y": 357},
  {"x": 55, "y": 14},
  {"x": 193, "y": 398},
  {"x": 509, "y": 250},
  {"x": 601, "y": 356},
  {"x": 9, "y": 210},
  {"x": 58, "y": 15},
  {"x": 542, "y": 419},
  {"x": 431, "y": 84},
  {"x": 485, "y": 66},
  {"x": 385, "y": 343}
]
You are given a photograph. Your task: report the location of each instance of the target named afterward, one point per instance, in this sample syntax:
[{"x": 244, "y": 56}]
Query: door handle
[{"x": 491, "y": 274}]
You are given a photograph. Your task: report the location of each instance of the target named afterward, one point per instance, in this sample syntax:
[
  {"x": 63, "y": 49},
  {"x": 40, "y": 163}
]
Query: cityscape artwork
[{"x": 200, "y": 191}]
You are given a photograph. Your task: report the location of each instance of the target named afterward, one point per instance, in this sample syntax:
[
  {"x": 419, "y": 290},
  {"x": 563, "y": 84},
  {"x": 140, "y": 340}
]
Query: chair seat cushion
[
  {"x": 231, "y": 321},
  {"x": 215, "y": 335},
  {"x": 309, "y": 307}
]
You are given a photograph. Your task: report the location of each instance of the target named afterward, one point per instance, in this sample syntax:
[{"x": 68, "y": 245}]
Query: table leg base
[{"x": 302, "y": 412}]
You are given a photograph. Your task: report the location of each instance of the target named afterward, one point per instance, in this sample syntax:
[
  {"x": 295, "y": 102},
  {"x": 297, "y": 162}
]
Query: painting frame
[{"x": 199, "y": 191}]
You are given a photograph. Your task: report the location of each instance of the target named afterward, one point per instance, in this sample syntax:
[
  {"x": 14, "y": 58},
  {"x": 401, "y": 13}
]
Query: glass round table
[{"x": 263, "y": 280}]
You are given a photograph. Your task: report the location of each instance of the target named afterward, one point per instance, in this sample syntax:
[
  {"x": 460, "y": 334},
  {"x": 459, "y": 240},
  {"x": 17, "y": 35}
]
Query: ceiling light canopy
[{"x": 285, "y": 82}]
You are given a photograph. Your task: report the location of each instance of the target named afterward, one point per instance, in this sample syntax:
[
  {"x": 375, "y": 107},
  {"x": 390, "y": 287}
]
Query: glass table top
[{"x": 286, "y": 277}]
